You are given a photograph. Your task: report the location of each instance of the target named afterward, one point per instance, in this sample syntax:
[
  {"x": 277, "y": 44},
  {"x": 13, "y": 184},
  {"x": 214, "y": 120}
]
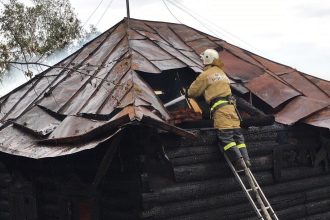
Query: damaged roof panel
[
  {"x": 79, "y": 100},
  {"x": 168, "y": 64},
  {"x": 320, "y": 119},
  {"x": 187, "y": 34},
  {"x": 272, "y": 66},
  {"x": 107, "y": 46},
  {"x": 300, "y": 107},
  {"x": 240, "y": 53},
  {"x": 64, "y": 91},
  {"x": 239, "y": 68},
  {"x": 270, "y": 90},
  {"x": 178, "y": 55},
  {"x": 175, "y": 41},
  {"x": 98, "y": 89},
  {"x": 71, "y": 127},
  {"x": 38, "y": 121},
  {"x": 322, "y": 84},
  {"x": 200, "y": 45},
  {"x": 142, "y": 64},
  {"x": 106, "y": 88},
  {"x": 304, "y": 85},
  {"x": 149, "y": 50},
  {"x": 16, "y": 142}
]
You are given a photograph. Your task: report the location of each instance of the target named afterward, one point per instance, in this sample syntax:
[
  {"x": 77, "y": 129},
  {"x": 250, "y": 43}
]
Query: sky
[{"x": 292, "y": 32}]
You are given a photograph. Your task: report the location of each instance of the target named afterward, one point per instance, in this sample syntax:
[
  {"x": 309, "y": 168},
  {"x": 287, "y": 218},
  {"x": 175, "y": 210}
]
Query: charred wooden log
[
  {"x": 5, "y": 215},
  {"x": 192, "y": 151},
  {"x": 257, "y": 121},
  {"x": 3, "y": 168},
  {"x": 247, "y": 107},
  {"x": 304, "y": 209},
  {"x": 320, "y": 216},
  {"x": 199, "y": 189},
  {"x": 245, "y": 212},
  {"x": 108, "y": 214},
  {"x": 193, "y": 206},
  {"x": 194, "y": 159},
  {"x": 119, "y": 203},
  {"x": 216, "y": 169},
  {"x": 5, "y": 179}
]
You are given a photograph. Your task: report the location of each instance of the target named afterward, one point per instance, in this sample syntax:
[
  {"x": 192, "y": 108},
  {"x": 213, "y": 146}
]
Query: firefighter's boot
[
  {"x": 235, "y": 157},
  {"x": 246, "y": 157}
]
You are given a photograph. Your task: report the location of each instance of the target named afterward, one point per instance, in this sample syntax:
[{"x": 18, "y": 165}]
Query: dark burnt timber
[
  {"x": 59, "y": 158},
  {"x": 195, "y": 184},
  {"x": 206, "y": 189}
]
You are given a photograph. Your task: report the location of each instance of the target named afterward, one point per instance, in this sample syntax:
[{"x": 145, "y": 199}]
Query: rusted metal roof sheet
[
  {"x": 15, "y": 141},
  {"x": 305, "y": 86},
  {"x": 38, "y": 121},
  {"x": 322, "y": 84},
  {"x": 98, "y": 88},
  {"x": 320, "y": 119},
  {"x": 272, "y": 66},
  {"x": 270, "y": 90},
  {"x": 299, "y": 108},
  {"x": 239, "y": 68}
]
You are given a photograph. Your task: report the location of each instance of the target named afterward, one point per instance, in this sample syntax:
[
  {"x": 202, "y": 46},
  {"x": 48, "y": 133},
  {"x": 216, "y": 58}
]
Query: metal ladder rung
[
  {"x": 258, "y": 191},
  {"x": 249, "y": 190},
  {"x": 267, "y": 207}
]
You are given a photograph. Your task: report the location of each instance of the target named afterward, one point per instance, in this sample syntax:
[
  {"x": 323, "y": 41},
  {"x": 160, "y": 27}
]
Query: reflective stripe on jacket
[{"x": 212, "y": 83}]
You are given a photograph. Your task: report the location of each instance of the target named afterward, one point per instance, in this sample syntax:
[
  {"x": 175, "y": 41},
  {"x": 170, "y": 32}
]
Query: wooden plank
[{"x": 107, "y": 159}]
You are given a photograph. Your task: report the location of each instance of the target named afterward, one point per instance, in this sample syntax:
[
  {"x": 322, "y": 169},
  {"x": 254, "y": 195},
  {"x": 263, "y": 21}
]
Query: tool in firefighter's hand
[
  {"x": 193, "y": 103},
  {"x": 183, "y": 90},
  {"x": 174, "y": 101}
]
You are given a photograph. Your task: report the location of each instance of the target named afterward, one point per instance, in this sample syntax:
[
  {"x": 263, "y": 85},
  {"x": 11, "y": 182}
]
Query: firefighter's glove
[{"x": 232, "y": 100}]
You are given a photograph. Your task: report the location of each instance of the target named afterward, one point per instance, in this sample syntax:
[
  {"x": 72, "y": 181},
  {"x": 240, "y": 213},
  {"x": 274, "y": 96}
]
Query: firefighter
[{"x": 214, "y": 84}]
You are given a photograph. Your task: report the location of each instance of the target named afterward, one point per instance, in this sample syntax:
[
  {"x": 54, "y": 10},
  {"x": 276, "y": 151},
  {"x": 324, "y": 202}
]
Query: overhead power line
[
  {"x": 105, "y": 11},
  {"x": 171, "y": 12},
  {"x": 204, "y": 24},
  {"x": 92, "y": 13}
]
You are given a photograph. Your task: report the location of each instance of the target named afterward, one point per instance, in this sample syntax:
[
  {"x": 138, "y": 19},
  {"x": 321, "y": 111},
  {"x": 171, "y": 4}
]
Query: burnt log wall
[
  {"x": 62, "y": 188},
  {"x": 205, "y": 188},
  {"x": 5, "y": 180}
]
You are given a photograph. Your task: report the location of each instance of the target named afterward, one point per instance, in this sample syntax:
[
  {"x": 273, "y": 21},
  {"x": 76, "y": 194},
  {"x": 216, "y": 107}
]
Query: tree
[{"x": 34, "y": 32}]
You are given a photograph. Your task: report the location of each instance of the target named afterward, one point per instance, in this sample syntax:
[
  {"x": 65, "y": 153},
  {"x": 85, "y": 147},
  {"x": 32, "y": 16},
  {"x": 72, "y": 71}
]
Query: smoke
[
  {"x": 12, "y": 79},
  {"x": 17, "y": 74}
]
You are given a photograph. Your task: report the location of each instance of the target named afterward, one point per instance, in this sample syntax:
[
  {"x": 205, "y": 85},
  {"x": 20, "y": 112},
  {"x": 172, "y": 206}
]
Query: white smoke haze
[{"x": 16, "y": 75}]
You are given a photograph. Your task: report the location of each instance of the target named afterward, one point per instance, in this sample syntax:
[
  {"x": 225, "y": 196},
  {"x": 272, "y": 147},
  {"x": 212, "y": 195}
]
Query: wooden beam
[{"x": 107, "y": 159}]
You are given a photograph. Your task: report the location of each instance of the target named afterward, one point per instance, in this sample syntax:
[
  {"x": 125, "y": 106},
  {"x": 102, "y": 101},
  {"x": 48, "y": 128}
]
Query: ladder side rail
[
  {"x": 256, "y": 192},
  {"x": 244, "y": 188},
  {"x": 263, "y": 196}
]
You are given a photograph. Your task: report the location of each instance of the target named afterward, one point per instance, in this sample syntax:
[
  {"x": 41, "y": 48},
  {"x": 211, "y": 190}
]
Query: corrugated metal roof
[{"x": 98, "y": 87}]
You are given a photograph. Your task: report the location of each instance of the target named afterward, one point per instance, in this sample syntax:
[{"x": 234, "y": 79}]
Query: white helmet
[{"x": 208, "y": 56}]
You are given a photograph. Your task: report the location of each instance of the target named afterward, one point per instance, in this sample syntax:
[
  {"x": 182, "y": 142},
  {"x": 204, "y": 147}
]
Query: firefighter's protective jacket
[{"x": 214, "y": 83}]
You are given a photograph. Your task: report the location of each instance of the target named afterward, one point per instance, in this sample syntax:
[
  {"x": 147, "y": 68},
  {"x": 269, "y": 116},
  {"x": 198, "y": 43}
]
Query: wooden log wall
[
  {"x": 119, "y": 193},
  {"x": 5, "y": 180},
  {"x": 205, "y": 188},
  {"x": 62, "y": 188}
]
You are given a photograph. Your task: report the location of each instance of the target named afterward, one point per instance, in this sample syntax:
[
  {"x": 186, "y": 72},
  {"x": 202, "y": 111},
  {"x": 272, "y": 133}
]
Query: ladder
[{"x": 263, "y": 210}]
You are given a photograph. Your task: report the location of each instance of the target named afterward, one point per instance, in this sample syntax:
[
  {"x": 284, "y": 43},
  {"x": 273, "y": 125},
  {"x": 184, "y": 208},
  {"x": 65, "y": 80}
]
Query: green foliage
[{"x": 28, "y": 32}]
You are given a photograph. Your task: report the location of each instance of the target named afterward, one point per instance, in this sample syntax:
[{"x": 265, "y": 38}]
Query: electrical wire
[
  {"x": 191, "y": 15},
  {"x": 171, "y": 12},
  {"x": 220, "y": 29},
  {"x": 92, "y": 13},
  {"x": 106, "y": 9}
]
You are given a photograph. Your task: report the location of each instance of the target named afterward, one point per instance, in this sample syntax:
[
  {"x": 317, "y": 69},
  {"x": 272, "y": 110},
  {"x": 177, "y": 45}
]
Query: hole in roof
[{"x": 169, "y": 86}]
